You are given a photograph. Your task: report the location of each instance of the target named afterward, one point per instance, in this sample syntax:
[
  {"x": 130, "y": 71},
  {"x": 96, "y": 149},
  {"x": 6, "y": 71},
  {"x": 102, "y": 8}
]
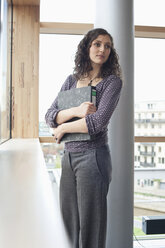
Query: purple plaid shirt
[{"x": 107, "y": 96}]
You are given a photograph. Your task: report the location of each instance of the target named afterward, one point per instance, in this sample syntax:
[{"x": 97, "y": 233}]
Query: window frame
[{"x": 9, "y": 37}]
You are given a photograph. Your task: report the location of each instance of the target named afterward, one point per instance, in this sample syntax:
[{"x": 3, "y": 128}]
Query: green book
[{"x": 73, "y": 98}]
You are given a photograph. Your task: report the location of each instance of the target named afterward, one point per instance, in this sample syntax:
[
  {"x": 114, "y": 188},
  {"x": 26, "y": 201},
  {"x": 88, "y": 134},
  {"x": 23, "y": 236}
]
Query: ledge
[{"x": 29, "y": 212}]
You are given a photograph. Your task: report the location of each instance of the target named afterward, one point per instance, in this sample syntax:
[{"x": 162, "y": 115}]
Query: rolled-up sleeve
[
  {"x": 50, "y": 116},
  {"x": 99, "y": 120}
]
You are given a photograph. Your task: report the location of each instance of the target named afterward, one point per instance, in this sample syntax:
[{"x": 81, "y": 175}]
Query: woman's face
[{"x": 100, "y": 50}]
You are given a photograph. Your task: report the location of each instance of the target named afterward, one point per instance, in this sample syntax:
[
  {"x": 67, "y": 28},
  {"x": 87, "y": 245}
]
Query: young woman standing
[{"x": 86, "y": 165}]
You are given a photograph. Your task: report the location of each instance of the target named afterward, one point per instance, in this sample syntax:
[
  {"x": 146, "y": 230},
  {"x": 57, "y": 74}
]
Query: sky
[
  {"x": 57, "y": 51},
  {"x": 149, "y": 69}
]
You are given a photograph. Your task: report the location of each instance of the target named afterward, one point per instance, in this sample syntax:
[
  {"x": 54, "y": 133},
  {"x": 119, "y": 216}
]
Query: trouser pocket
[{"x": 103, "y": 163}]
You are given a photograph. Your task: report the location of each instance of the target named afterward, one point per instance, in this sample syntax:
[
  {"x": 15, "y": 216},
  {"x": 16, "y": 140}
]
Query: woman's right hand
[{"x": 85, "y": 108}]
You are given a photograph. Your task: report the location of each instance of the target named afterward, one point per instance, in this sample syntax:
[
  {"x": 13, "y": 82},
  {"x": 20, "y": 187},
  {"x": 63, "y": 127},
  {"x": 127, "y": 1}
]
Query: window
[
  {"x": 148, "y": 86},
  {"x": 5, "y": 69},
  {"x": 149, "y": 73},
  {"x": 81, "y": 11},
  {"x": 145, "y": 10},
  {"x": 52, "y": 154},
  {"x": 149, "y": 78},
  {"x": 56, "y": 63}
]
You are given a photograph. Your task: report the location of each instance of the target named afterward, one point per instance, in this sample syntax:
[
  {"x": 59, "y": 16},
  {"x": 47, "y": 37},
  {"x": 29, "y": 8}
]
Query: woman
[{"x": 86, "y": 165}]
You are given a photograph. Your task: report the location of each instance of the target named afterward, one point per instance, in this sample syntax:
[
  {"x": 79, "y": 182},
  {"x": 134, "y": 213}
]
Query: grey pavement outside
[{"x": 156, "y": 203}]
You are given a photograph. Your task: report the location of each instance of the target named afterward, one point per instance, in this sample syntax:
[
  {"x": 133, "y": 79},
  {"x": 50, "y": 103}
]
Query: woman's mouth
[{"x": 100, "y": 56}]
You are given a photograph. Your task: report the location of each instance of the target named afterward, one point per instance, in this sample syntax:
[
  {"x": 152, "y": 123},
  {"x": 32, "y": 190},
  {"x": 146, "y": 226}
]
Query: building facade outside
[{"x": 150, "y": 121}]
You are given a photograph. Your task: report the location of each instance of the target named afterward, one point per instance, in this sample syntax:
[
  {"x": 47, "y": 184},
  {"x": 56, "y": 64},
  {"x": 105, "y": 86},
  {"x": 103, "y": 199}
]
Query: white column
[{"x": 117, "y": 17}]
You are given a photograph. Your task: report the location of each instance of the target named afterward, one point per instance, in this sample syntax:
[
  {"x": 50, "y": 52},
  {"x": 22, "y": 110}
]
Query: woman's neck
[{"x": 95, "y": 72}]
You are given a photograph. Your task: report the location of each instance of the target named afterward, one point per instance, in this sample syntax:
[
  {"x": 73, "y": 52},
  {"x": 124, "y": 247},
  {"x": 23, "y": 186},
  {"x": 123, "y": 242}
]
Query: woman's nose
[{"x": 102, "y": 48}]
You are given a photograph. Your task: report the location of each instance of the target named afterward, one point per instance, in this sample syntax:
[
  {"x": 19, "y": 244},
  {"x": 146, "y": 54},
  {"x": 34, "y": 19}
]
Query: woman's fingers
[
  {"x": 58, "y": 134},
  {"x": 92, "y": 109},
  {"x": 86, "y": 108}
]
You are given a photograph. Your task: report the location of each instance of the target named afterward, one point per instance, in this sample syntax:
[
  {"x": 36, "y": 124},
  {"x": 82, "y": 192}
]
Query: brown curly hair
[{"x": 83, "y": 63}]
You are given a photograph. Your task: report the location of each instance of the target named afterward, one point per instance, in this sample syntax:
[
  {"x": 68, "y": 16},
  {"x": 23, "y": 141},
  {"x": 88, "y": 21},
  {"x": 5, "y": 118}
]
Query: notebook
[{"x": 73, "y": 98}]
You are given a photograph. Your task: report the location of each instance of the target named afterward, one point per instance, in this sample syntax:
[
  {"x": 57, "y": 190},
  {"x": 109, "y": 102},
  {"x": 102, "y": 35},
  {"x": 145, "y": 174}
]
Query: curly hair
[{"x": 82, "y": 60}]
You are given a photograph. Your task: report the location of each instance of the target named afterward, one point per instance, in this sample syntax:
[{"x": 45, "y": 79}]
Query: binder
[{"x": 73, "y": 98}]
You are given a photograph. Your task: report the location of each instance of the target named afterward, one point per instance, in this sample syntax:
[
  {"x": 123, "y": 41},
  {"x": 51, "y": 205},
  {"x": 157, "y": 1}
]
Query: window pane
[
  {"x": 5, "y": 60},
  {"x": 149, "y": 188},
  {"x": 149, "y": 12},
  {"x": 52, "y": 154},
  {"x": 56, "y": 63},
  {"x": 149, "y": 182},
  {"x": 81, "y": 11},
  {"x": 149, "y": 87}
]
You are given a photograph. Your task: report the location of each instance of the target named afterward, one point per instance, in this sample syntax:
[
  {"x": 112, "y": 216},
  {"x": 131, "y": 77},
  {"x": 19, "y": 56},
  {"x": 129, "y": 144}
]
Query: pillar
[
  {"x": 25, "y": 70},
  {"x": 117, "y": 17}
]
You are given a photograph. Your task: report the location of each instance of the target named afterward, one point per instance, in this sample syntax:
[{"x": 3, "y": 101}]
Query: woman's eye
[
  {"x": 107, "y": 46},
  {"x": 97, "y": 44}
]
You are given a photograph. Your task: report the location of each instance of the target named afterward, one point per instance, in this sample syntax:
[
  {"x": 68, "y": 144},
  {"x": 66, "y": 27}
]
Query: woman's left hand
[{"x": 58, "y": 134}]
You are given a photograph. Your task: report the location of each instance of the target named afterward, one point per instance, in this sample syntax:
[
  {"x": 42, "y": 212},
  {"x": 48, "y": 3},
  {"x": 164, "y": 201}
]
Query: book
[{"x": 73, "y": 98}]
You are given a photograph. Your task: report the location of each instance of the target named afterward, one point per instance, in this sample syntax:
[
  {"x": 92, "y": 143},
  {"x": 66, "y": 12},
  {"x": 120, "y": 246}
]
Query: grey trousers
[{"x": 83, "y": 196}]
